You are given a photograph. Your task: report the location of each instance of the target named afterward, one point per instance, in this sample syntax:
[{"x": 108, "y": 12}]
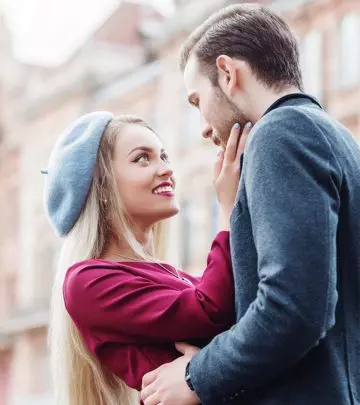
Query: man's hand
[{"x": 166, "y": 385}]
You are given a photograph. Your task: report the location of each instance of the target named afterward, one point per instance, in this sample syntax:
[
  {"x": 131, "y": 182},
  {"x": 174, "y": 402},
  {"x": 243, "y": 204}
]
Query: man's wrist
[{"x": 188, "y": 377}]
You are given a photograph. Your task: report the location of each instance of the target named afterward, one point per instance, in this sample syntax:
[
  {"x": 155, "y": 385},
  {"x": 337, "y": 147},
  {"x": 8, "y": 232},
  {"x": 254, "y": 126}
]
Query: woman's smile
[{"x": 165, "y": 189}]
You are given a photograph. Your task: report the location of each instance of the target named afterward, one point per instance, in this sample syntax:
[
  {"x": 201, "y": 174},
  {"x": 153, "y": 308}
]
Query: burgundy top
[{"x": 130, "y": 314}]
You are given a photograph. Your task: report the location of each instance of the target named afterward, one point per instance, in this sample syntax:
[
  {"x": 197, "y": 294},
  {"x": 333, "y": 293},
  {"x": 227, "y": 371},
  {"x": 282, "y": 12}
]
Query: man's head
[{"x": 238, "y": 51}]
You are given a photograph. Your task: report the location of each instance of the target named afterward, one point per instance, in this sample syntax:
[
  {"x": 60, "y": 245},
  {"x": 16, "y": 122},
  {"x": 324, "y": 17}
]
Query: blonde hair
[{"x": 79, "y": 378}]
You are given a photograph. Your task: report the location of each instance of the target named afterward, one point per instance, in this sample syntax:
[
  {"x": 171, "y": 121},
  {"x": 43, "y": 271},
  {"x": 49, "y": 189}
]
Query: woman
[{"x": 117, "y": 310}]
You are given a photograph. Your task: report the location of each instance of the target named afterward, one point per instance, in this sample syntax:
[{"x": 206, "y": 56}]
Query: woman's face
[{"x": 144, "y": 176}]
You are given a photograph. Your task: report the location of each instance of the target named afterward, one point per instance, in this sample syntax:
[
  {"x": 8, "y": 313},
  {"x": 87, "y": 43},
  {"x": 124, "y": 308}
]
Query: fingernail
[
  {"x": 237, "y": 125},
  {"x": 219, "y": 152},
  {"x": 248, "y": 125}
]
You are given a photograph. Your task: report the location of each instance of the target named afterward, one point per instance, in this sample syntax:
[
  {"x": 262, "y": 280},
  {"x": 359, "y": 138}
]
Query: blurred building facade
[{"x": 129, "y": 65}]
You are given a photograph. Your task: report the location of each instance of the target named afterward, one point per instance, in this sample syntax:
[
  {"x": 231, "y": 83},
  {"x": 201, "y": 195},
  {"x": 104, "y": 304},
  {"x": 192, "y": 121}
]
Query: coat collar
[{"x": 294, "y": 99}]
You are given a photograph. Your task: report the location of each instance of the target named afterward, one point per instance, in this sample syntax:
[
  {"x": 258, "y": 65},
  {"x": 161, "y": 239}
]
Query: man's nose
[{"x": 207, "y": 131}]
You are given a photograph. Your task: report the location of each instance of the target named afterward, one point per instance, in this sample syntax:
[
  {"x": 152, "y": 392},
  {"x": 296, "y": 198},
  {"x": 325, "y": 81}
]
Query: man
[{"x": 295, "y": 228}]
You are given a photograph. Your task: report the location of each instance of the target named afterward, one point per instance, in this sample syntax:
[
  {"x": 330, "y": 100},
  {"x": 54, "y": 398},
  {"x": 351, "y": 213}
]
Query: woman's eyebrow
[{"x": 145, "y": 148}]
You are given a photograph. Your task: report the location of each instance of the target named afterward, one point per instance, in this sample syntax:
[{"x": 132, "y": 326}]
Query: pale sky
[{"x": 47, "y": 32}]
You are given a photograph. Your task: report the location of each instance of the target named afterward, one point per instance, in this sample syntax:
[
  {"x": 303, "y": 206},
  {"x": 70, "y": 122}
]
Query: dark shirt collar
[{"x": 293, "y": 99}]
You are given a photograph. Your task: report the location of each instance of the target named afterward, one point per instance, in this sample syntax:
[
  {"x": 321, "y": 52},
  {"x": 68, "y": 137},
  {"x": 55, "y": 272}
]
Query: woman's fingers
[
  {"x": 243, "y": 140},
  {"x": 232, "y": 144},
  {"x": 234, "y": 149}
]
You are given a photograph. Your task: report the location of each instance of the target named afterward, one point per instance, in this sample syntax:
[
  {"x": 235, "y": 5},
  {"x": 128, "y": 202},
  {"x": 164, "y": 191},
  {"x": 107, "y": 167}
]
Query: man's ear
[{"x": 227, "y": 74}]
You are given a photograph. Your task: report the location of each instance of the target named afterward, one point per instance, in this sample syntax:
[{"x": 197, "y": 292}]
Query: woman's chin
[
  {"x": 151, "y": 217},
  {"x": 167, "y": 213},
  {"x": 170, "y": 213}
]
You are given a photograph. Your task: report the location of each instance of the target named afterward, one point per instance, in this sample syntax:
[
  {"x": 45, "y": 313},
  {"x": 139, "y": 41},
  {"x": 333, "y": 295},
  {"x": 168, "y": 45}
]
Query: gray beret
[{"x": 70, "y": 170}]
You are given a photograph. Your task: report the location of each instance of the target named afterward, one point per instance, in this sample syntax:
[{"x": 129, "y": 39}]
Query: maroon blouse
[{"x": 130, "y": 314}]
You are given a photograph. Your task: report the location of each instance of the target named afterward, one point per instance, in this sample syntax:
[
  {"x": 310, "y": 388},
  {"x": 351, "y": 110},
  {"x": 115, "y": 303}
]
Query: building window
[
  {"x": 44, "y": 273},
  {"x": 311, "y": 57},
  {"x": 349, "y": 57},
  {"x": 186, "y": 233},
  {"x": 215, "y": 215}
]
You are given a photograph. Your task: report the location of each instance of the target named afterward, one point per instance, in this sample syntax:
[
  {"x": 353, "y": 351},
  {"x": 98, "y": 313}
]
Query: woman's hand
[{"x": 227, "y": 169}]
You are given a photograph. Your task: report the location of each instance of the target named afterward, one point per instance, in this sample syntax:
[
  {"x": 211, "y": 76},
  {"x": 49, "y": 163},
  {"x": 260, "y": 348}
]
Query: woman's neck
[{"x": 119, "y": 250}]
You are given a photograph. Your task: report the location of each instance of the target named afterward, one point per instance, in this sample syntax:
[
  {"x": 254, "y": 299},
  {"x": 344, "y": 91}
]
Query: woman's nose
[{"x": 165, "y": 170}]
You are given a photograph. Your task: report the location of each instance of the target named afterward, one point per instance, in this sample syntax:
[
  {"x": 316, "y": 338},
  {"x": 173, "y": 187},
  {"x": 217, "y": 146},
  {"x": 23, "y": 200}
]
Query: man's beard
[{"x": 227, "y": 116}]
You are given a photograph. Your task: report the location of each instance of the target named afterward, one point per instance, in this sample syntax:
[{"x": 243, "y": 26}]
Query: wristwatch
[{"x": 188, "y": 378}]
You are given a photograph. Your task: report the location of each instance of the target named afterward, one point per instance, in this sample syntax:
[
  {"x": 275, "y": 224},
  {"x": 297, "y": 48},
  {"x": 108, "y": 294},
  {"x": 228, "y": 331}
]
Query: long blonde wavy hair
[{"x": 78, "y": 377}]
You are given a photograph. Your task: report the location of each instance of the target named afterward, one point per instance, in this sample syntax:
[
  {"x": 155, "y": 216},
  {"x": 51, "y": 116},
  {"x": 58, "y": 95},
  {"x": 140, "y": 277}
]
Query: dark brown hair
[{"x": 251, "y": 33}]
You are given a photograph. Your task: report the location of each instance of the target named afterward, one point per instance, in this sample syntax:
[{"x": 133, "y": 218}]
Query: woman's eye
[
  {"x": 165, "y": 158},
  {"x": 142, "y": 158}
]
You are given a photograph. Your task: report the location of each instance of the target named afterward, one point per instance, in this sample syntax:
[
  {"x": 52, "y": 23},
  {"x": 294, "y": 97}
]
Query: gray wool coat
[{"x": 295, "y": 244}]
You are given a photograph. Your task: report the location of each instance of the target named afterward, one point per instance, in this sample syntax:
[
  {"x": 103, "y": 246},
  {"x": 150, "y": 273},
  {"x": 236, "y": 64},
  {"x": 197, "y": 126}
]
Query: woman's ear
[{"x": 227, "y": 74}]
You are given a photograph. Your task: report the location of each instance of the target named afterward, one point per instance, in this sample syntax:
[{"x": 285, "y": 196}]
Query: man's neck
[{"x": 265, "y": 98}]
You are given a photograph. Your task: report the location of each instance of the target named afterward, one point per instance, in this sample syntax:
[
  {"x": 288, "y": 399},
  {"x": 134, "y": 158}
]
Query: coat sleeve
[
  {"x": 141, "y": 311},
  {"x": 292, "y": 182}
]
